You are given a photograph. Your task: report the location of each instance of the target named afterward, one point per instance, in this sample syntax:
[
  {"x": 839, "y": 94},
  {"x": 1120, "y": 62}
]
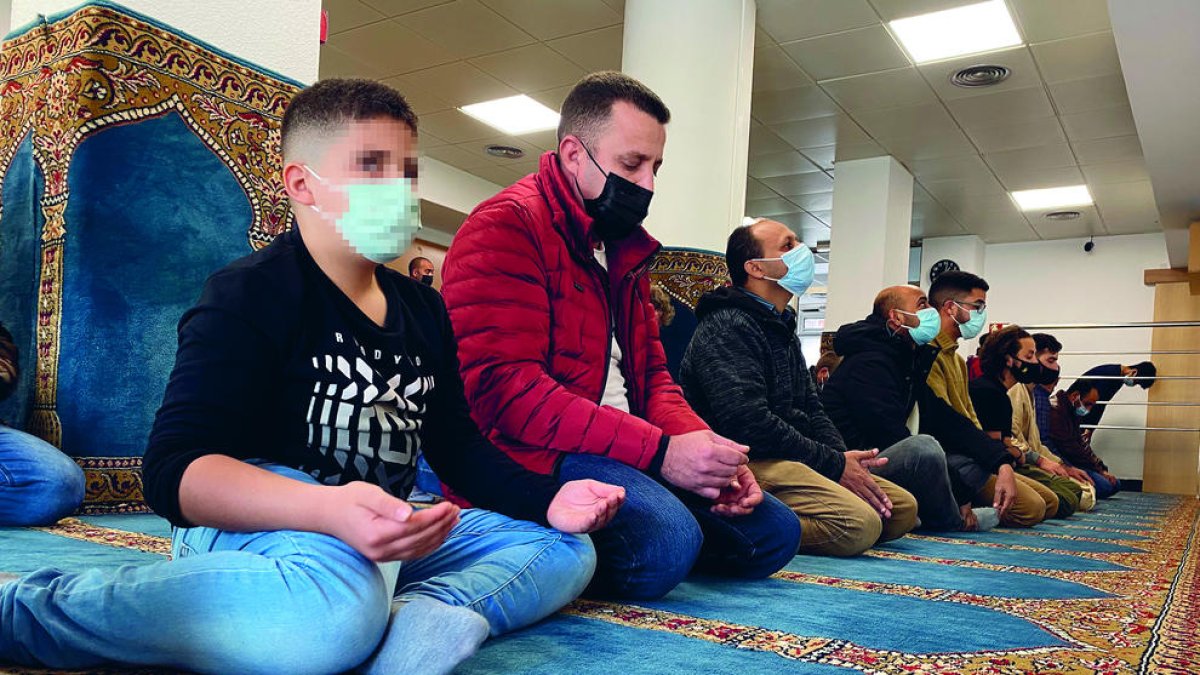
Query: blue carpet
[{"x": 997, "y": 556}]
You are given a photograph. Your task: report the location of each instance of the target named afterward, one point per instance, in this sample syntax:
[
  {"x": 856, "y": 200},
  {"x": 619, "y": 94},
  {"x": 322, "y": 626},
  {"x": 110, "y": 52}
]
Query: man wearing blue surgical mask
[
  {"x": 745, "y": 375},
  {"x": 879, "y": 392}
]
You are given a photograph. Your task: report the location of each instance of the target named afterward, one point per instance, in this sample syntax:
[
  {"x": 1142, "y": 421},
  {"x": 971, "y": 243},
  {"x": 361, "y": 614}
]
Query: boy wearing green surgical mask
[{"x": 307, "y": 377}]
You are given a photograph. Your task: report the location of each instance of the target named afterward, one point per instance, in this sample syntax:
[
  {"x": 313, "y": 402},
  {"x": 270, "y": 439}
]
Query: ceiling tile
[
  {"x": 823, "y": 155},
  {"x": 1022, "y": 73},
  {"x": 458, "y": 83},
  {"x": 1090, "y": 93},
  {"x": 865, "y": 50},
  {"x": 800, "y": 184},
  {"x": 428, "y": 140},
  {"x": 891, "y": 10},
  {"x": 552, "y": 98},
  {"x": 456, "y": 127},
  {"x": 1143, "y": 223},
  {"x": 549, "y": 19},
  {"x": 763, "y": 141},
  {"x": 773, "y": 107},
  {"x": 478, "y": 147},
  {"x": 500, "y": 175},
  {"x": 775, "y": 70},
  {"x": 531, "y": 68},
  {"x": 1108, "y": 149},
  {"x": 1077, "y": 58},
  {"x": 957, "y": 193},
  {"x": 1009, "y": 164},
  {"x": 815, "y": 202},
  {"x": 1026, "y": 134},
  {"x": 835, "y": 129},
  {"x": 420, "y": 99},
  {"x": 761, "y": 37},
  {"x": 1043, "y": 20},
  {"x": 390, "y": 48},
  {"x": 617, "y": 5},
  {"x": 779, "y": 164},
  {"x": 1044, "y": 178},
  {"x": 756, "y": 190},
  {"x": 1013, "y": 105},
  {"x": 543, "y": 140},
  {"x": 593, "y": 51},
  {"x": 1127, "y": 171},
  {"x": 929, "y": 146},
  {"x": 888, "y": 89},
  {"x": 1087, "y": 224},
  {"x": 336, "y": 63},
  {"x": 466, "y": 27},
  {"x": 787, "y": 20},
  {"x": 969, "y": 167},
  {"x": 906, "y": 121},
  {"x": 847, "y": 151},
  {"x": 1127, "y": 207},
  {"x": 347, "y": 14},
  {"x": 398, "y": 7},
  {"x": 458, "y": 157},
  {"x": 1105, "y": 123},
  {"x": 771, "y": 206}
]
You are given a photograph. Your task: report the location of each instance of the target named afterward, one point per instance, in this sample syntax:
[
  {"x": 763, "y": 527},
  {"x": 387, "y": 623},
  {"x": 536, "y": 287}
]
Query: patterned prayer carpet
[{"x": 1112, "y": 591}]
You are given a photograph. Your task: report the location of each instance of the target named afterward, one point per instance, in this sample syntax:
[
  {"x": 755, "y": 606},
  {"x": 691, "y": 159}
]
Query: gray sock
[
  {"x": 987, "y": 517},
  {"x": 427, "y": 637}
]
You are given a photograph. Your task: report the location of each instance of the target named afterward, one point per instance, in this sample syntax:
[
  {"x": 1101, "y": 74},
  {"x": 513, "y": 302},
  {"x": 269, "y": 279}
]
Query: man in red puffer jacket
[{"x": 549, "y": 298}]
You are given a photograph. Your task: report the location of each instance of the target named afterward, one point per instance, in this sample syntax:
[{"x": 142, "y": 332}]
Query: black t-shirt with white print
[{"x": 276, "y": 363}]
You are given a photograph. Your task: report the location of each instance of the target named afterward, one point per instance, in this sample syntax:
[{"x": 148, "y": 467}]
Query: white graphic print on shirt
[{"x": 366, "y": 422}]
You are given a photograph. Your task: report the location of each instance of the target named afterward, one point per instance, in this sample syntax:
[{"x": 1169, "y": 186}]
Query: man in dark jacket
[
  {"x": 872, "y": 396},
  {"x": 744, "y": 373},
  {"x": 548, "y": 292},
  {"x": 1067, "y": 413}
]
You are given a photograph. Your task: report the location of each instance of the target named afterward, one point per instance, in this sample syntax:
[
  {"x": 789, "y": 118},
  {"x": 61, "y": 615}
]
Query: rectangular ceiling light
[
  {"x": 513, "y": 115},
  {"x": 970, "y": 29},
  {"x": 1053, "y": 198}
]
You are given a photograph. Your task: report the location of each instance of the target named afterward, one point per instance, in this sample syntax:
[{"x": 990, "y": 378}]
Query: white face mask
[{"x": 381, "y": 218}]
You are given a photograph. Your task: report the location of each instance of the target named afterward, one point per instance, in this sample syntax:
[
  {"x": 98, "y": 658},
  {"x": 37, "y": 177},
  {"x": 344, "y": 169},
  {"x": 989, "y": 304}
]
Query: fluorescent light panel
[
  {"x": 514, "y": 115},
  {"x": 1053, "y": 198},
  {"x": 970, "y": 29}
]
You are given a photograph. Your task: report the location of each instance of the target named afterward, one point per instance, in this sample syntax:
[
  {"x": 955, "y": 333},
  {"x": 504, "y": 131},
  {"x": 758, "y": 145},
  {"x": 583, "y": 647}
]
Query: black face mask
[
  {"x": 427, "y": 279},
  {"x": 619, "y": 209},
  {"x": 1027, "y": 372},
  {"x": 1049, "y": 375}
]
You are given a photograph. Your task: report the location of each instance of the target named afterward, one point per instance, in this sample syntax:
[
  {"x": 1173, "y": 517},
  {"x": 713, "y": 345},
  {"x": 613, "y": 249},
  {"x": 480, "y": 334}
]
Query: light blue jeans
[
  {"x": 38, "y": 483},
  {"x": 282, "y": 602}
]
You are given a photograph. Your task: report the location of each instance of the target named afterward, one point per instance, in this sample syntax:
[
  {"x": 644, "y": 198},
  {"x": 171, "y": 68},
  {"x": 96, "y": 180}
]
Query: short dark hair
[
  {"x": 1047, "y": 343},
  {"x": 1146, "y": 374},
  {"x": 953, "y": 285},
  {"x": 330, "y": 104},
  {"x": 1081, "y": 387},
  {"x": 412, "y": 264},
  {"x": 741, "y": 247},
  {"x": 588, "y": 106},
  {"x": 1000, "y": 345}
]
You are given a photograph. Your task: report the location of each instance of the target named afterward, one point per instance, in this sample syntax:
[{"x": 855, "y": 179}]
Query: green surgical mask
[{"x": 381, "y": 217}]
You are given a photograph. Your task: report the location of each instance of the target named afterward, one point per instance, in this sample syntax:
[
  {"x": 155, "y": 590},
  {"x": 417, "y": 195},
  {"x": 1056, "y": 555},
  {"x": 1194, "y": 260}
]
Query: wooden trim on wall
[{"x": 1171, "y": 457}]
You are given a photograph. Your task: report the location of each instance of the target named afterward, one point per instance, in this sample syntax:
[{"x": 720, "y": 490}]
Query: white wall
[
  {"x": 1057, "y": 282},
  {"x": 5, "y": 16},
  {"x": 281, "y": 35}
]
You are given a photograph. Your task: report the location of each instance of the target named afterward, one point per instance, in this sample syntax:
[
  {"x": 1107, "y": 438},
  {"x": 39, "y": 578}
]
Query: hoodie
[{"x": 744, "y": 374}]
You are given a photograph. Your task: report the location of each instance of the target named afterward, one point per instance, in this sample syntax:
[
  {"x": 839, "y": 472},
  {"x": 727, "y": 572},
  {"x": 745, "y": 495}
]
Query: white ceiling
[{"x": 830, "y": 83}]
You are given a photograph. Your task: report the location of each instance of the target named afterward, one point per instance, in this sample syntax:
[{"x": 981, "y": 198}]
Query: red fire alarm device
[{"x": 324, "y": 25}]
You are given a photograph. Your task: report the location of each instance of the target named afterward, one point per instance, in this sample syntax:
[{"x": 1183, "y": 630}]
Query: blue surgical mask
[
  {"x": 974, "y": 325},
  {"x": 928, "y": 328},
  {"x": 1129, "y": 381},
  {"x": 381, "y": 217},
  {"x": 1080, "y": 409},
  {"x": 800, "y": 270}
]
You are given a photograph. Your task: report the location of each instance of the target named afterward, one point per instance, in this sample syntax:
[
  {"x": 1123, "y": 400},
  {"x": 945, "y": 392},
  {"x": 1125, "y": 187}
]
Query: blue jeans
[
  {"x": 38, "y": 483},
  {"x": 250, "y": 602},
  {"x": 918, "y": 464},
  {"x": 659, "y": 535},
  {"x": 1104, "y": 489}
]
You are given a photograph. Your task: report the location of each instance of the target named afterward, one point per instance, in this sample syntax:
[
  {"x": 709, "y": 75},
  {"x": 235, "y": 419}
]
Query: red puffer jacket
[{"x": 532, "y": 311}]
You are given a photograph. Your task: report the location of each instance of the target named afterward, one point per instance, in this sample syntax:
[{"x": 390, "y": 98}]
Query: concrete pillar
[
  {"x": 698, "y": 56},
  {"x": 869, "y": 241}
]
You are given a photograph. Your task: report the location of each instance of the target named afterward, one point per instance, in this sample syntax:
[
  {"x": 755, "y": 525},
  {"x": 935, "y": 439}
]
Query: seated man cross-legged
[{"x": 743, "y": 372}]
